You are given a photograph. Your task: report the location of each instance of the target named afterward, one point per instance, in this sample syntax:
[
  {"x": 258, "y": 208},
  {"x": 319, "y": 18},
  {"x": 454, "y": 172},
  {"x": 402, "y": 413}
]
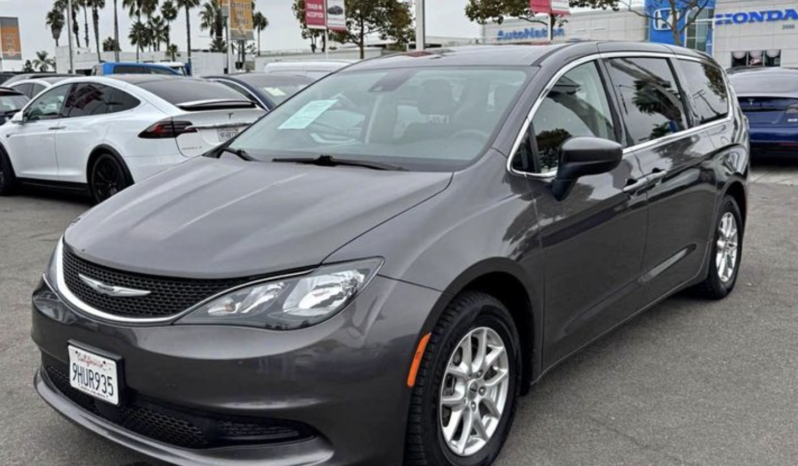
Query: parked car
[
  {"x": 11, "y": 102},
  {"x": 34, "y": 87},
  {"x": 26, "y": 76},
  {"x": 179, "y": 67},
  {"x": 5, "y": 76},
  {"x": 376, "y": 270},
  {"x": 769, "y": 98},
  {"x": 109, "y": 68},
  {"x": 315, "y": 69},
  {"x": 266, "y": 90},
  {"x": 104, "y": 134}
]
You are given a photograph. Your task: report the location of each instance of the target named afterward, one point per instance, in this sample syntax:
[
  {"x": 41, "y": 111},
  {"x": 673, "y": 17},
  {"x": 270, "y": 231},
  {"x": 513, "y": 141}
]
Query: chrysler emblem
[{"x": 109, "y": 290}]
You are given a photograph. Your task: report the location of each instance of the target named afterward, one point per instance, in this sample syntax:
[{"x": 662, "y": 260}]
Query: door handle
[
  {"x": 55, "y": 128},
  {"x": 633, "y": 185}
]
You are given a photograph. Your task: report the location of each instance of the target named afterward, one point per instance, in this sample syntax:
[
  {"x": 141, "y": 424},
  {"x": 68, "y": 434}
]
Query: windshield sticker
[
  {"x": 308, "y": 114},
  {"x": 275, "y": 91}
]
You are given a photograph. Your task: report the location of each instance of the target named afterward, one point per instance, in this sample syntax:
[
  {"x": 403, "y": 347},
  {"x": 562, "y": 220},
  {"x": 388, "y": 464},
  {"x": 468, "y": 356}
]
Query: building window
[
  {"x": 699, "y": 33},
  {"x": 753, "y": 58}
]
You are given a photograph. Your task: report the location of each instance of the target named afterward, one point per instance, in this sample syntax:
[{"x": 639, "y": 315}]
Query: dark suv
[{"x": 373, "y": 273}]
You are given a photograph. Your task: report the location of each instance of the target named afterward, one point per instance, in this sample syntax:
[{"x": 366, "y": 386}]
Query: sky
[{"x": 444, "y": 18}]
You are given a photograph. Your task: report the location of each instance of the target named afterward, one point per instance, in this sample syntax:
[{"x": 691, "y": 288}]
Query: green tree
[
  {"x": 43, "y": 62},
  {"x": 110, "y": 45},
  {"x": 55, "y": 21},
  {"x": 211, "y": 19},
  {"x": 172, "y": 51},
  {"x": 28, "y": 67},
  {"x": 313, "y": 35},
  {"x": 260, "y": 22},
  {"x": 187, "y": 6},
  {"x": 84, "y": 4},
  {"x": 485, "y": 11},
  {"x": 158, "y": 30},
  {"x": 169, "y": 13},
  {"x": 139, "y": 37},
  {"x": 96, "y": 6},
  {"x": 61, "y": 5}
]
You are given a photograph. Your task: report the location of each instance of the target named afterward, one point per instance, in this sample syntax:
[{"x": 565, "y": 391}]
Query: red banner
[
  {"x": 540, "y": 6},
  {"x": 315, "y": 14},
  {"x": 558, "y": 7}
]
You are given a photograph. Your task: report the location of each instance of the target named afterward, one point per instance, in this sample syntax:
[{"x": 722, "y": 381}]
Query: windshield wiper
[
  {"x": 330, "y": 161},
  {"x": 240, "y": 153}
]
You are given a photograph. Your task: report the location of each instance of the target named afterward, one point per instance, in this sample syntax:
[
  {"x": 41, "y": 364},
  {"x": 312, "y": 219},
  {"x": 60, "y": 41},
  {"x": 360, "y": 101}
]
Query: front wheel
[
  {"x": 467, "y": 388},
  {"x": 8, "y": 180},
  {"x": 726, "y": 253},
  {"x": 108, "y": 177}
]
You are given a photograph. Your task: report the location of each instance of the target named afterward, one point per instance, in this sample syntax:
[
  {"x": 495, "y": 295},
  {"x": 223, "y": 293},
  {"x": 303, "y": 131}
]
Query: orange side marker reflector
[{"x": 422, "y": 345}]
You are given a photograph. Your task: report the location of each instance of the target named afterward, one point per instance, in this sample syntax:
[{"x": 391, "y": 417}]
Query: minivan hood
[{"x": 209, "y": 218}]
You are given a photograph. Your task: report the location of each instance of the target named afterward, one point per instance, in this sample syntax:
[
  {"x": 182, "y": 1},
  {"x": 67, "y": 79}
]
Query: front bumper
[{"x": 344, "y": 379}]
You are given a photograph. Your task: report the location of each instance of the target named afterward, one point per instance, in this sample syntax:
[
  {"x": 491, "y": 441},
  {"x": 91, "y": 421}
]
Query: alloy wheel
[
  {"x": 727, "y": 247},
  {"x": 474, "y": 391},
  {"x": 108, "y": 179}
]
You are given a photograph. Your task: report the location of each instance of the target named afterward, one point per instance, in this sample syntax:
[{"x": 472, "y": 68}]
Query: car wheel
[
  {"x": 108, "y": 177},
  {"x": 8, "y": 180},
  {"x": 467, "y": 386},
  {"x": 726, "y": 253}
]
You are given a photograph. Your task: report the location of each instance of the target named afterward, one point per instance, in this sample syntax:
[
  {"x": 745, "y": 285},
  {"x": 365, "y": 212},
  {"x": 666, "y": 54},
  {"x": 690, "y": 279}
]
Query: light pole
[
  {"x": 420, "y": 32},
  {"x": 69, "y": 35}
]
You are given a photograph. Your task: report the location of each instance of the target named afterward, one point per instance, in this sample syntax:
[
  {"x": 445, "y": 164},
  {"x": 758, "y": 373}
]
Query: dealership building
[{"x": 735, "y": 32}]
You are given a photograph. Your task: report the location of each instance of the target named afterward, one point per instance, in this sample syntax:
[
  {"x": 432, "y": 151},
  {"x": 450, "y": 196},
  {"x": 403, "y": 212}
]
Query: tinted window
[
  {"x": 706, "y": 89},
  {"x": 36, "y": 89},
  {"x": 26, "y": 89},
  {"x": 576, "y": 106},
  {"x": 240, "y": 90},
  {"x": 120, "y": 101},
  {"x": 180, "y": 91},
  {"x": 277, "y": 88},
  {"x": 85, "y": 100},
  {"x": 48, "y": 105},
  {"x": 420, "y": 118},
  {"x": 157, "y": 70},
  {"x": 129, "y": 69},
  {"x": 12, "y": 103},
  {"x": 648, "y": 96}
]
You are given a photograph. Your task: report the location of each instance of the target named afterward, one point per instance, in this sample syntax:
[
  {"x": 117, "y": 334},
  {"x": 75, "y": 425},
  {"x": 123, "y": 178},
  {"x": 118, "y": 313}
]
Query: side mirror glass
[{"x": 584, "y": 156}]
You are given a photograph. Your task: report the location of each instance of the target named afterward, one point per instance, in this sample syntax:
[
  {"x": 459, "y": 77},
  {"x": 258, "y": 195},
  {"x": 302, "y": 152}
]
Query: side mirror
[
  {"x": 584, "y": 156},
  {"x": 17, "y": 119}
]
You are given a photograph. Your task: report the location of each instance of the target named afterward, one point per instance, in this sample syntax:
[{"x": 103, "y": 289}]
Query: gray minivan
[{"x": 377, "y": 270}]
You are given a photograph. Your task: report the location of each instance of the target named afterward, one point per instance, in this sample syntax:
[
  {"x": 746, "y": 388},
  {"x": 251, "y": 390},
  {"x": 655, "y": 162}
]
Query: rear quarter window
[{"x": 705, "y": 86}]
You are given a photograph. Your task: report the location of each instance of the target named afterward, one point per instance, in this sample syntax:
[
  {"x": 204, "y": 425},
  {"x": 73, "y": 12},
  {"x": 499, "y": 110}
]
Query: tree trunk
[
  {"x": 76, "y": 30},
  {"x": 677, "y": 38},
  {"x": 116, "y": 33},
  {"x": 95, "y": 16},
  {"x": 86, "y": 25},
  {"x": 362, "y": 41},
  {"x": 258, "y": 42},
  {"x": 168, "y": 39},
  {"x": 188, "y": 38}
]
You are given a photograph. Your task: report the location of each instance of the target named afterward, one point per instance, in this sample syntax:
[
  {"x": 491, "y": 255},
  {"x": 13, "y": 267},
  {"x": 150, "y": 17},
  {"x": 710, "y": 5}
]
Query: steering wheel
[{"x": 472, "y": 133}]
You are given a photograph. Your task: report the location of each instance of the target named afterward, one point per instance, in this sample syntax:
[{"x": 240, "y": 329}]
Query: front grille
[
  {"x": 168, "y": 296},
  {"x": 179, "y": 426}
]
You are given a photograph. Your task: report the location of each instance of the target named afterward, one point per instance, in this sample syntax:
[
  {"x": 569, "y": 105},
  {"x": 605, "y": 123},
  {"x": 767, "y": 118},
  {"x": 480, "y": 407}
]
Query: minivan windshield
[{"x": 423, "y": 119}]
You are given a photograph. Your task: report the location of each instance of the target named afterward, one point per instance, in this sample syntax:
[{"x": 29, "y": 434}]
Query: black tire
[
  {"x": 425, "y": 444},
  {"x": 715, "y": 286},
  {"x": 107, "y": 177},
  {"x": 8, "y": 179}
]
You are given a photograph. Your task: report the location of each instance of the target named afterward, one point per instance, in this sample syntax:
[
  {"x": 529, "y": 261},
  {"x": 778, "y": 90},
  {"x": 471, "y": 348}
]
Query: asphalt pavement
[{"x": 690, "y": 382}]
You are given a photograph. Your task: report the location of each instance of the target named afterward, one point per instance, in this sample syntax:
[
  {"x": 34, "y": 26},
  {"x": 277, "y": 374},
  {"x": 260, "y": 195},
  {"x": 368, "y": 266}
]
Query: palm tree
[
  {"x": 84, "y": 4},
  {"x": 96, "y": 6},
  {"x": 211, "y": 19},
  {"x": 139, "y": 36},
  {"x": 55, "y": 21},
  {"x": 110, "y": 45},
  {"x": 133, "y": 8},
  {"x": 169, "y": 13},
  {"x": 172, "y": 51},
  {"x": 43, "y": 62},
  {"x": 260, "y": 22},
  {"x": 187, "y": 5},
  {"x": 116, "y": 31},
  {"x": 158, "y": 32},
  {"x": 61, "y": 5}
]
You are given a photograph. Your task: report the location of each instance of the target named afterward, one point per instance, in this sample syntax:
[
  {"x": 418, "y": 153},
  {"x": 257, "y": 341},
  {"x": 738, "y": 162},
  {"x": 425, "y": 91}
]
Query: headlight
[{"x": 291, "y": 303}]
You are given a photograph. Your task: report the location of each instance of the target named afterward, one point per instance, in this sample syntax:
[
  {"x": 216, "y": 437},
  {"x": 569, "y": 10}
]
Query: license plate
[
  {"x": 93, "y": 374},
  {"x": 227, "y": 134}
]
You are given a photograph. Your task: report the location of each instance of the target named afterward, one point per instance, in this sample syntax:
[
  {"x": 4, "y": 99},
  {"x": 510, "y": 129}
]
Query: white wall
[
  {"x": 592, "y": 25},
  {"x": 781, "y": 35}
]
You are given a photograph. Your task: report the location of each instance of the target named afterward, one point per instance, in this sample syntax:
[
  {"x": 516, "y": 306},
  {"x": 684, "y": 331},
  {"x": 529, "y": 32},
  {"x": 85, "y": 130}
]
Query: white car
[
  {"x": 103, "y": 134},
  {"x": 35, "y": 86}
]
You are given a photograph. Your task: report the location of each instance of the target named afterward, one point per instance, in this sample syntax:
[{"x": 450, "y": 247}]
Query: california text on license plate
[
  {"x": 227, "y": 134},
  {"x": 93, "y": 374}
]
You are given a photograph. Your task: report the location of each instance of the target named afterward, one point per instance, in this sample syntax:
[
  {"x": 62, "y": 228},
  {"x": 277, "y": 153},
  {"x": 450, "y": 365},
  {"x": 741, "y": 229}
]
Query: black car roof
[{"x": 138, "y": 79}]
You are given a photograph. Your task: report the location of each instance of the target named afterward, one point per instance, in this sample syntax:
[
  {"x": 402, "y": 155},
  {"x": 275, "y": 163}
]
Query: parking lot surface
[{"x": 690, "y": 382}]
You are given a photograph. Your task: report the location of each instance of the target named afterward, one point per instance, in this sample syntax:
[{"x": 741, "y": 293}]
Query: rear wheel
[
  {"x": 108, "y": 176},
  {"x": 467, "y": 387},
  {"x": 726, "y": 252},
  {"x": 8, "y": 180}
]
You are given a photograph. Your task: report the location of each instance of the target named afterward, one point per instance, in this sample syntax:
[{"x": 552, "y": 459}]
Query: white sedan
[{"x": 103, "y": 134}]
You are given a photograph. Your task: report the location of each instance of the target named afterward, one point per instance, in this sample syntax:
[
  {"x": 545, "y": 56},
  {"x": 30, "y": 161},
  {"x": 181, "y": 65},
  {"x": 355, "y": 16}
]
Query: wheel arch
[
  {"x": 505, "y": 280},
  {"x": 736, "y": 189},
  {"x": 106, "y": 149}
]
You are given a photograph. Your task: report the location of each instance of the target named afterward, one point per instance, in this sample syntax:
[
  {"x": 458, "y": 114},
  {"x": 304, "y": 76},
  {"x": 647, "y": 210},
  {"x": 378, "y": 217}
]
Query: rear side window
[
  {"x": 89, "y": 99},
  {"x": 706, "y": 89},
  {"x": 129, "y": 69},
  {"x": 577, "y": 105},
  {"x": 648, "y": 96},
  {"x": 36, "y": 89},
  {"x": 182, "y": 91},
  {"x": 26, "y": 89}
]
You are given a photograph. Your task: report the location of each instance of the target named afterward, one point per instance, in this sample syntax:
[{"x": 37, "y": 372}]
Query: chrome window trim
[
  {"x": 627, "y": 150},
  {"x": 62, "y": 290}
]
